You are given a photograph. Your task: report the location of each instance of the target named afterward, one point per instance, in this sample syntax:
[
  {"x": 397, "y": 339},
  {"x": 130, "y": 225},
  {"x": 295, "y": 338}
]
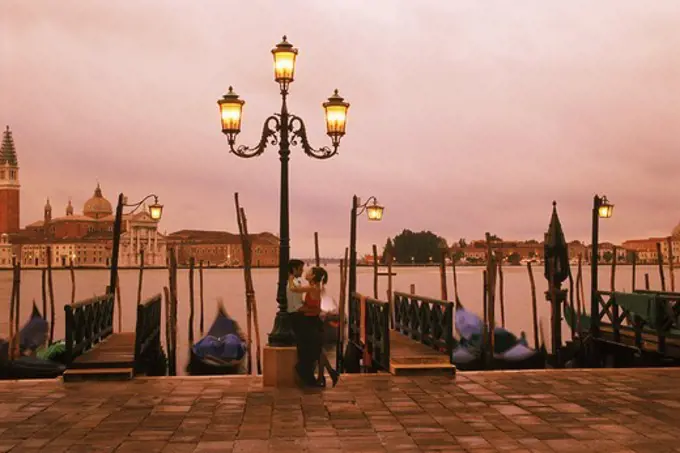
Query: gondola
[
  {"x": 510, "y": 352},
  {"x": 26, "y": 366},
  {"x": 221, "y": 351}
]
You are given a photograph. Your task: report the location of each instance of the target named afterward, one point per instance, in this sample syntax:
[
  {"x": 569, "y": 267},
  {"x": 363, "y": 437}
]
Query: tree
[
  {"x": 457, "y": 256},
  {"x": 514, "y": 258},
  {"x": 607, "y": 256},
  {"x": 387, "y": 250},
  {"x": 532, "y": 241},
  {"x": 495, "y": 238},
  {"x": 419, "y": 246},
  {"x": 462, "y": 243},
  {"x": 532, "y": 254}
]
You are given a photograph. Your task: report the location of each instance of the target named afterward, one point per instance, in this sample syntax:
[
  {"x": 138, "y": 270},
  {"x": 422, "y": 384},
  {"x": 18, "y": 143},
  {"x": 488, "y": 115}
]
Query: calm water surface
[{"x": 227, "y": 284}]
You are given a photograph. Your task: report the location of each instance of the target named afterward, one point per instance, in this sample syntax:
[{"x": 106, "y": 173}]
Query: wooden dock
[
  {"x": 113, "y": 358},
  {"x": 410, "y": 357}
]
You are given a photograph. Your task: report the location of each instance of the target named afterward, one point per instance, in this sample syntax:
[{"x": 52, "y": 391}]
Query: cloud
[{"x": 465, "y": 117}]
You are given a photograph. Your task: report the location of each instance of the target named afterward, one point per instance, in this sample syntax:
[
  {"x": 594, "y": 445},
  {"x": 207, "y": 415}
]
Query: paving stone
[{"x": 622, "y": 410}]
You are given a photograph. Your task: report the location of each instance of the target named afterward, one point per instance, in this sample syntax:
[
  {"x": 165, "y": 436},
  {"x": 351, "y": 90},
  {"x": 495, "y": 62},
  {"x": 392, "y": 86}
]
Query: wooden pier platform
[
  {"x": 113, "y": 358},
  {"x": 602, "y": 410},
  {"x": 410, "y": 357}
]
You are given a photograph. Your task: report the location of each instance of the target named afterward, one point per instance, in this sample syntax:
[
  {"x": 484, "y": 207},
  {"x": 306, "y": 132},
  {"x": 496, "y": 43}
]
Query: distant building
[
  {"x": 221, "y": 248},
  {"x": 86, "y": 239}
]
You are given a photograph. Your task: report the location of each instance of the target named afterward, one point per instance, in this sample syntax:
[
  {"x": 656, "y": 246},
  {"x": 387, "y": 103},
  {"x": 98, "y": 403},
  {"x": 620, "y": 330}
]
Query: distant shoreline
[{"x": 382, "y": 266}]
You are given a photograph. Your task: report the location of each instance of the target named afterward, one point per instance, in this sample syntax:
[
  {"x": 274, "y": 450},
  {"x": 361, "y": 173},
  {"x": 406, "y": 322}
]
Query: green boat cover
[
  {"x": 570, "y": 317},
  {"x": 52, "y": 351},
  {"x": 639, "y": 304}
]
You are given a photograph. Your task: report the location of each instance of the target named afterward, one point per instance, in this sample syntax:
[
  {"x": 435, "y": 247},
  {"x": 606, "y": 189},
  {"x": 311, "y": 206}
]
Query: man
[{"x": 305, "y": 363}]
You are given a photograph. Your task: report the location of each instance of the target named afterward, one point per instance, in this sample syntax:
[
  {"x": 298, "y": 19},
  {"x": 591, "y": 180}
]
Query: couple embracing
[{"x": 304, "y": 306}]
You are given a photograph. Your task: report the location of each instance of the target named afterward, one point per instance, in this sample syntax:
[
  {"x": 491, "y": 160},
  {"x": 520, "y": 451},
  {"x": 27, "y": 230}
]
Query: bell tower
[{"x": 9, "y": 185}]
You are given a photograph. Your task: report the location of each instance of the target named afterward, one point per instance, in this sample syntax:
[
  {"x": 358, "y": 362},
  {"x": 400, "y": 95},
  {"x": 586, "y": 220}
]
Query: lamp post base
[{"x": 282, "y": 333}]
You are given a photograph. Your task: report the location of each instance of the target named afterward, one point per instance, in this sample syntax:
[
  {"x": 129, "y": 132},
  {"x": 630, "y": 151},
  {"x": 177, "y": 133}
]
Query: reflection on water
[{"x": 227, "y": 284}]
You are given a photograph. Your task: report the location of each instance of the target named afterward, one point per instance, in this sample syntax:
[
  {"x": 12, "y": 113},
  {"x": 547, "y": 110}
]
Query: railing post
[
  {"x": 140, "y": 334},
  {"x": 68, "y": 333},
  {"x": 386, "y": 337},
  {"x": 448, "y": 326},
  {"x": 615, "y": 314}
]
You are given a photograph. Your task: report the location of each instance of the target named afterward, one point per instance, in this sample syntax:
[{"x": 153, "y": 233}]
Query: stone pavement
[{"x": 615, "y": 410}]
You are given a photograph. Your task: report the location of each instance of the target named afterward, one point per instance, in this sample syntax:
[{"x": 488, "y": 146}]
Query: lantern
[
  {"x": 231, "y": 108},
  {"x": 336, "y": 117},
  {"x": 375, "y": 211},
  {"x": 605, "y": 209},
  {"x": 156, "y": 210},
  {"x": 284, "y": 63}
]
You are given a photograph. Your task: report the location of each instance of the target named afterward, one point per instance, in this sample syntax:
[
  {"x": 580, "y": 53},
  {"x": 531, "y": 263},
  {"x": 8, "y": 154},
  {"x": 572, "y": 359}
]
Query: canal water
[{"x": 228, "y": 285}]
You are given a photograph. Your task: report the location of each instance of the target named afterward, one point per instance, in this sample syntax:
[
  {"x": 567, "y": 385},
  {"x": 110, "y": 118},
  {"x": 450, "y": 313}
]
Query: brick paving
[{"x": 616, "y": 410}]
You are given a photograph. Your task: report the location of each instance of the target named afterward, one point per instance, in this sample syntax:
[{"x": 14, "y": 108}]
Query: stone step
[
  {"x": 99, "y": 374},
  {"x": 422, "y": 369}
]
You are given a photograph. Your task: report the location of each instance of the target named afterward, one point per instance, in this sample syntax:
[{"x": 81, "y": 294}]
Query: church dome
[
  {"x": 676, "y": 232},
  {"x": 97, "y": 206}
]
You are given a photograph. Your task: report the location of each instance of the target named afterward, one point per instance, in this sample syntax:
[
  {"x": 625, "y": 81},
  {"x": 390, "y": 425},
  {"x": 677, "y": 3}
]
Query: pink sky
[{"x": 466, "y": 116}]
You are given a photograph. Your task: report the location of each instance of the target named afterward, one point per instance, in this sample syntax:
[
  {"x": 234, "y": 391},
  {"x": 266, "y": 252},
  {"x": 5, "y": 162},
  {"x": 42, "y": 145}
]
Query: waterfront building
[
  {"x": 223, "y": 249},
  {"x": 86, "y": 239}
]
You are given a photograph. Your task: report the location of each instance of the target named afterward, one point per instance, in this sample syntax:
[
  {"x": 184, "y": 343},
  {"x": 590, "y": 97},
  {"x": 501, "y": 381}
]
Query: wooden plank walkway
[
  {"x": 116, "y": 351},
  {"x": 112, "y": 359},
  {"x": 605, "y": 410},
  {"x": 408, "y": 356}
]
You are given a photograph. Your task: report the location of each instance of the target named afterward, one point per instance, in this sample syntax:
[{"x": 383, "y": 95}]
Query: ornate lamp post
[
  {"x": 155, "y": 211},
  {"x": 283, "y": 129},
  {"x": 601, "y": 209},
  {"x": 374, "y": 212}
]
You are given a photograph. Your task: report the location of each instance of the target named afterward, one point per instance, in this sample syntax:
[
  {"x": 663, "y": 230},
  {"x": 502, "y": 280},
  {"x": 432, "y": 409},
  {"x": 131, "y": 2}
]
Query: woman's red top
[{"x": 311, "y": 307}]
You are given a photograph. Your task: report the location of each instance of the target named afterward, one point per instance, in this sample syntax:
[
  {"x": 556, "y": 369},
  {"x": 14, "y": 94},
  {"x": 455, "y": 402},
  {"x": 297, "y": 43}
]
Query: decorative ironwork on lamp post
[
  {"x": 155, "y": 211},
  {"x": 285, "y": 130},
  {"x": 601, "y": 209},
  {"x": 374, "y": 212}
]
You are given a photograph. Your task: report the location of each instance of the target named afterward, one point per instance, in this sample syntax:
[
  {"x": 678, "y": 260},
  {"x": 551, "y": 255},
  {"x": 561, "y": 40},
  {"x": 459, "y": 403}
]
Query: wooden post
[
  {"x": 579, "y": 282},
  {"x": 12, "y": 302},
  {"x": 141, "y": 277},
  {"x": 670, "y": 263},
  {"x": 43, "y": 288},
  {"x": 412, "y": 288},
  {"x": 317, "y": 253},
  {"x": 571, "y": 301},
  {"x": 613, "y": 276},
  {"x": 119, "y": 303},
  {"x": 581, "y": 290},
  {"x": 442, "y": 275},
  {"x": 491, "y": 296},
  {"x": 647, "y": 282},
  {"x": 388, "y": 258},
  {"x": 485, "y": 324},
  {"x": 200, "y": 295},
  {"x": 659, "y": 257},
  {"x": 73, "y": 281},
  {"x": 168, "y": 328},
  {"x": 172, "y": 359},
  {"x": 501, "y": 292},
  {"x": 191, "y": 301},
  {"x": 634, "y": 259},
  {"x": 17, "y": 311},
  {"x": 534, "y": 309},
  {"x": 555, "y": 315},
  {"x": 341, "y": 312},
  {"x": 375, "y": 271},
  {"x": 251, "y": 303},
  {"x": 455, "y": 278},
  {"x": 50, "y": 289}
]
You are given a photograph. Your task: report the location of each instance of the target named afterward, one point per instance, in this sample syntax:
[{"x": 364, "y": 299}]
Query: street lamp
[
  {"x": 283, "y": 129},
  {"x": 374, "y": 212},
  {"x": 155, "y": 211},
  {"x": 601, "y": 209}
]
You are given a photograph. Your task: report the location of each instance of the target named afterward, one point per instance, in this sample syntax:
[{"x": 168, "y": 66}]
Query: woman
[{"x": 311, "y": 329}]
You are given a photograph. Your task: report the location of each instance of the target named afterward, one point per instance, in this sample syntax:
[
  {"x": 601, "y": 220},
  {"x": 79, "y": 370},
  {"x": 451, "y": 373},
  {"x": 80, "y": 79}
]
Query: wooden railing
[
  {"x": 148, "y": 333},
  {"x": 429, "y": 321},
  {"x": 664, "y": 309},
  {"x": 88, "y": 322},
  {"x": 372, "y": 337}
]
